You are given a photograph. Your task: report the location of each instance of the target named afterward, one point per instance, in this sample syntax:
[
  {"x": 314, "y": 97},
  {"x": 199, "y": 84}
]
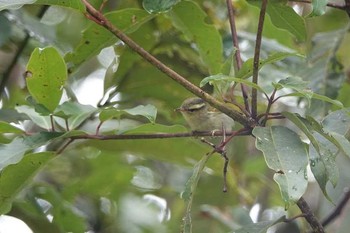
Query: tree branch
[
  {"x": 238, "y": 58},
  {"x": 309, "y": 216},
  {"x": 99, "y": 18},
  {"x": 257, "y": 56}
]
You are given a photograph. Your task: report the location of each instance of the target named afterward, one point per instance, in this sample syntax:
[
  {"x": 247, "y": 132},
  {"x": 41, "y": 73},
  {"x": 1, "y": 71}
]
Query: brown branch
[
  {"x": 309, "y": 216},
  {"x": 103, "y": 21},
  {"x": 238, "y": 58},
  {"x": 338, "y": 209},
  {"x": 257, "y": 56}
]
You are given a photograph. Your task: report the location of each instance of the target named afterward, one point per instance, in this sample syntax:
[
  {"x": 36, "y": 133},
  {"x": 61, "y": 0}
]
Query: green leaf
[
  {"x": 157, "y": 6},
  {"x": 284, "y": 17},
  {"x": 318, "y": 7},
  {"x": 46, "y": 75},
  {"x": 221, "y": 77},
  {"x": 12, "y": 152},
  {"x": 13, "y": 4},
  {"x": 294, "y": 83},
  {"x": 298, "y": 121},
  {"x": 189, "y": 192},
  {"x": 311, "y": 95},
  {"x": 148, "y": 111},
  {"x": 6, "y": 127},
  {"x": 75, "y": 4},
  {"x": 259, "y": 227},
  {"x": 95, "y": 37},
  {"x": 75, "y": 113},
  {"x": 41, "y": 121},
  {"x": 286, "y": 154},
  {"x": 23, "y": 172},
  {"x": 247, "y": 68},
  {"x": 189, "y": 18}
]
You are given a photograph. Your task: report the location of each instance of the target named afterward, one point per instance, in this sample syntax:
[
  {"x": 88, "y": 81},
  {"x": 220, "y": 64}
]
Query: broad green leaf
[
  {"x": 75, "y": 4},
  {"x": 318, "y": 7},
  {"x": 95, "y": 37},
  {"x": 189, "y": 18},
  {"x": 221, "y": 77},
  {"x": 259, "y": 227},
  {"x": 14, "y": 177},
  {"x": 14, "y": 4},
  {"x": 157, "y": 6},
  {"x": 75, "y": 113},
  {"x": 41, "y": 121},
  {"x": 324, "y": 69},
  {"x": 148, "y": 111},
  {"x": 311, "y": 95},
  {"x": 322, "y": 159},
  {"x": 337, "y": 121},
  {"x": 189, "y": 192},
  {"x": 286, "y": 154},
  {"x": 12, "y": 152},
  {"x": 342, "y": 142},
  {"x": 6, "y": 127},
  {"x": 294, "y": 83},
  {"x": 41, "y": 138},
  {"x": 247, "y": 68},
  {"x": 46, "y": 75},
  {"x": 284, "y": 17},
  {"x": 39, "y": 108},
  {"x": 297, "y": 120},
  {"x": 323, "y": 165}
]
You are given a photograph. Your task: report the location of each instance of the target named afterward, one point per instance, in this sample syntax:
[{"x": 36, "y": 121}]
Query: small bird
[{"x": 201, "y": 117}]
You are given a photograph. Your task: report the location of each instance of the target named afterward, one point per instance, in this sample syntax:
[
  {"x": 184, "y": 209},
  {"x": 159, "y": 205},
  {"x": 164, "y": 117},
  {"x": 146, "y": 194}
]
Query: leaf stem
[
  {"x": 99, "y": 18},
  {"x": 257, "y": 56}
]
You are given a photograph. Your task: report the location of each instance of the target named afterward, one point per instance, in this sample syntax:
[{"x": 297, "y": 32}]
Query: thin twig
[
  {"x": 238, "y": 58},
  {"x": 309, "y": 216},
  {"x": 257, "y": 57},
  {"x": 21, "y": 47},
  {"x": 338, "y": 209},
  {"x": 103, "y": 21},
  {"x": 269, "y": 105}
]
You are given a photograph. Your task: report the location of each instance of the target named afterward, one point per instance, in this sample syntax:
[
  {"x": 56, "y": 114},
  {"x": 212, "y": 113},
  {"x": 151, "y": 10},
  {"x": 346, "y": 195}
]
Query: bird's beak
[{"x": 179, "y": 109}]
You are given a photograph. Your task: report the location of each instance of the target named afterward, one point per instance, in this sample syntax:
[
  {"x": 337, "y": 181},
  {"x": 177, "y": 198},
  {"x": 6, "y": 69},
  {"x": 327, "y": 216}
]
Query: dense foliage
[{"x": 90, "y": 141}]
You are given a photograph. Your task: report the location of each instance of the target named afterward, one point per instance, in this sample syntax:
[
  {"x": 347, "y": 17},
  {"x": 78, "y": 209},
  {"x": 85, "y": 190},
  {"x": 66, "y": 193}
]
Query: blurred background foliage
[{"x": 135, "y": 185}]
